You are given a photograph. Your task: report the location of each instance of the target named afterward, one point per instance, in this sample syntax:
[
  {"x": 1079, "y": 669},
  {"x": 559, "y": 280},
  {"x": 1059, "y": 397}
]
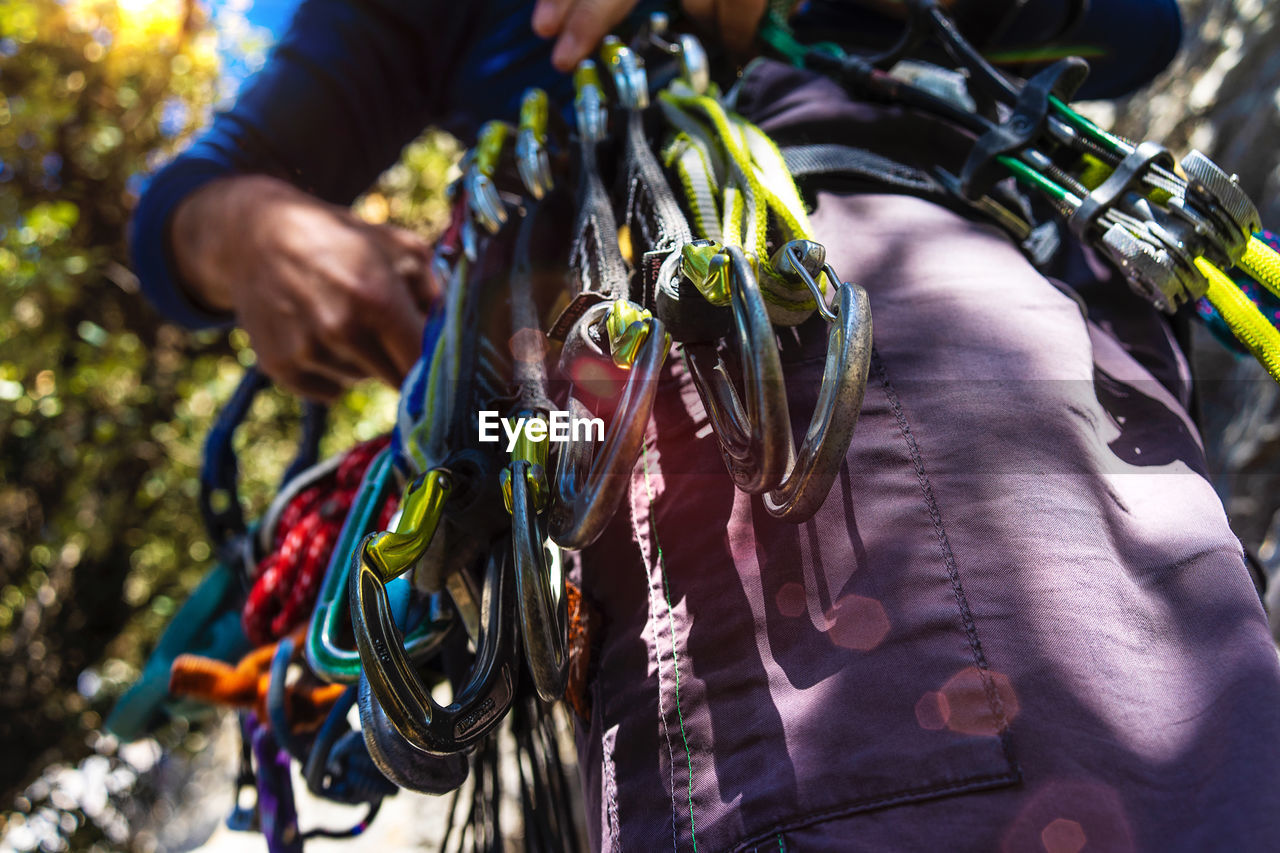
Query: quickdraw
[
  {"x": 539, "y": 575},
  {"x": 590, "y": 483}
]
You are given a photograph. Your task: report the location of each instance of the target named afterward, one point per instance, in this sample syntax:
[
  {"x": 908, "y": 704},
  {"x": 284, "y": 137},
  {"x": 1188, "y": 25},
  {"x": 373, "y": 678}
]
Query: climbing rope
[{"x": 287, "y": 581}]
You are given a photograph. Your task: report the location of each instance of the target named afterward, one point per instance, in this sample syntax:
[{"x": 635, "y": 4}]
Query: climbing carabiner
[
  {"x": 338, "y": 766},
  {"x": 695, "y": 68},
  {"x": 627, "y": 71},
  {"x": 398, "y": 760},
  {"x": 812, "y": 470},
  {"x": 326, "y": 655},
  {"x": 485, "y": 202},
  {"x": 544, "y": 615},
  {"x": 532, "y": 160},
  {"x": 543, "y": 601},
  {"x": 396, "y": 686},
  {"x": 590, "y": 482},
  {"x": 754, "y": 438},
  {"x": 589, "y": 103},
  {"x": 219, "y": 474}
]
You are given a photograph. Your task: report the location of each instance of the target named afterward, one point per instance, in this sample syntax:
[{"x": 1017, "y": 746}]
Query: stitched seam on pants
[
  {"x": 651, "y": 619},
  {"x": 977, "y": 783},
  {"x": 935, "y": 514},
  {"x": 671, "y": 621}
]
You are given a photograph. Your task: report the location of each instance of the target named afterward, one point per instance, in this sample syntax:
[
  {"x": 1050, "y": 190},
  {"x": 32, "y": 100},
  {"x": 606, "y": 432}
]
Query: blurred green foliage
[{"x": 103, "y": 407}]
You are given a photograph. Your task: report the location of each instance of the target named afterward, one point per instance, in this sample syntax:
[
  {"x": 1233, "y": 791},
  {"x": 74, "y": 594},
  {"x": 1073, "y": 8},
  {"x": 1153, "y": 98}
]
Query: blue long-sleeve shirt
[{"x": 352, "y": 81}]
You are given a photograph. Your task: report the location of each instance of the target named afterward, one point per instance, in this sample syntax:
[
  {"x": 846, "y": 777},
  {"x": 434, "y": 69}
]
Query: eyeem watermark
[{"x": 559, "y": 426}]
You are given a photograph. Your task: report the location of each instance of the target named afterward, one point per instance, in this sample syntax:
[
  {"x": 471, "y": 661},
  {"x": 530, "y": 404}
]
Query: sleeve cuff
[{"x": 149, "y": 240}]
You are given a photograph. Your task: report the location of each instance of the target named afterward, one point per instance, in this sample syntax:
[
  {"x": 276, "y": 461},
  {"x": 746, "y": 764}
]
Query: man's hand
[
  {"x": 326, "y": 298},
  {"x": 581, "y": 24}
]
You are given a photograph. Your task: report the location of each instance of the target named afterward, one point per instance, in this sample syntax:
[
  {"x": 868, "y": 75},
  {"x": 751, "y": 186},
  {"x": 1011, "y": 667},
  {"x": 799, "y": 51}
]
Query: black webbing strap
[
  {"x": 820, "y": 161},
  {"x": 810, "y": 162}
]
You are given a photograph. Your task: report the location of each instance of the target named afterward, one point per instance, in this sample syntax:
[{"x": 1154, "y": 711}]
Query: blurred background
[{"x": 103, "y": 407}]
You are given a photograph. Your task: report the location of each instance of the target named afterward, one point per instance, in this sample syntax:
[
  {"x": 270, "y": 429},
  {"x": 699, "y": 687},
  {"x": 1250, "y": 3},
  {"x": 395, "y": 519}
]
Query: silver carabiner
[
  {"x": 483, "y": 199},
  {"x": 812, "y": 470},
  {"x": 627, "y": 70},
  {"x": 543, "y": 601},
  {"x": 754, "y": 438},
  {"x": 590, "y": 483},
  {"x": 695, "y": 67}
]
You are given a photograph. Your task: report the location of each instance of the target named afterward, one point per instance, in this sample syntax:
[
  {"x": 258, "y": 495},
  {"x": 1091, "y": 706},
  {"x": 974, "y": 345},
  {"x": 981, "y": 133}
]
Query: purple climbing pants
[{"x": 1019, "y": 622}]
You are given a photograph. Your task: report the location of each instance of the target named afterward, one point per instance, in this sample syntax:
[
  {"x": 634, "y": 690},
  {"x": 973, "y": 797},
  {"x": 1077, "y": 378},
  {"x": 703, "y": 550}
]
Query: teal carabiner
[{"x": 331, "y": 619}]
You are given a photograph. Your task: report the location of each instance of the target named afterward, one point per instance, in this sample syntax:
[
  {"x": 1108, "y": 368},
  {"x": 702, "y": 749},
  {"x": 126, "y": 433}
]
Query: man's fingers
[
  {"x": 548, "y": 16},
  {"x": 425, "y": 289},
  {"x": 407, "y": 240},
  {"x": 584, "y": 26},
  {"x": 349, "y": 361},
  {"x": 412, "y": 266},
  {"x": 368, "y": 350}
]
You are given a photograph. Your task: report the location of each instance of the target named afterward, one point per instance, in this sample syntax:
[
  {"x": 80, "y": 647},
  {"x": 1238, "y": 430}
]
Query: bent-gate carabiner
[
  {"x": 399, "y": 760},
  {"x": 811, "y": 472},
  {"x": 483, "y": 198},
  {"x": 325, "y": 654},
  {"x": 755, "y": 438},
  {"x": 532, "y": 160}
]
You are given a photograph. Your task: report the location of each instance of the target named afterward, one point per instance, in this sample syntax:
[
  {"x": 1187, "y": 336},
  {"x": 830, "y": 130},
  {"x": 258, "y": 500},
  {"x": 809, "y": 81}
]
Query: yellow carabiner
[
  {"x": 533, "y": 113},
  {"x": 532, "y": 161},
  {"x": 536, "y": 453},
  {"x": 489, "y": 146},
  {"x": 703, "y": 264},
  {"x": 391, "y": 554},
  {"x": 589, "y": 102},
  {"x": 627, "y": 326}
]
